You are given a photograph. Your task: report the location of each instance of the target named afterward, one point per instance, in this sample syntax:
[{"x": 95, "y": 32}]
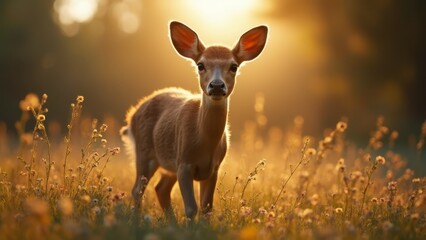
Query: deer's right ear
[{"x": 185, "y": 41}]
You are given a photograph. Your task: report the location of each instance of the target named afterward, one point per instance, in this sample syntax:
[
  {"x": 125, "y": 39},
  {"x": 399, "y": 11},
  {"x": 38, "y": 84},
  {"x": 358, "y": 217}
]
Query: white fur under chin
[{"x": 128, "y": 142}]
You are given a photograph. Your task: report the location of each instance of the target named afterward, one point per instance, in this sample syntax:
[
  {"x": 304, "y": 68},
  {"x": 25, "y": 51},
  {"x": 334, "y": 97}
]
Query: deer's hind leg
[
  {"x": 163, "y": 190},
  {"x": 146, "y": 165}
]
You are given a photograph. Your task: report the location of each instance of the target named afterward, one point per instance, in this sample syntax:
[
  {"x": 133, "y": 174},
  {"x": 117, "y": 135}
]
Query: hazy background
[{"x": 324, "y": 59}]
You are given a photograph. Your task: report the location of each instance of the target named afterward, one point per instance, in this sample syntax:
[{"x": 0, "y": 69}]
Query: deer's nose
[
  {"x": 216, "y": 87},
  {"x": 217, "y": 84}
]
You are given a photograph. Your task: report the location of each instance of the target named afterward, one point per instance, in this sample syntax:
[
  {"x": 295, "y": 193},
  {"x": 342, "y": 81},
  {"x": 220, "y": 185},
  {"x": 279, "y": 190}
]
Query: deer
[{"x": 184, "y": 135}]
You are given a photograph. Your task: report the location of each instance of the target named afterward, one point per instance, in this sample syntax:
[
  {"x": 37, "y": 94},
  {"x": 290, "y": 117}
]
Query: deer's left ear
[{"x": 251, "y": 44}]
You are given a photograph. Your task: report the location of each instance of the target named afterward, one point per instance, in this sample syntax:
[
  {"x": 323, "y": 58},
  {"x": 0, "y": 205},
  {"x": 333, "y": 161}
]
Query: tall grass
[{"x": 274, "y": 184}]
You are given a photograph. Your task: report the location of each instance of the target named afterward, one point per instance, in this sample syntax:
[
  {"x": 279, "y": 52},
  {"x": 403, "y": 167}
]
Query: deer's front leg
[
  {"x": 207, "y": 188},
  {"x": 185, "y": 176}
]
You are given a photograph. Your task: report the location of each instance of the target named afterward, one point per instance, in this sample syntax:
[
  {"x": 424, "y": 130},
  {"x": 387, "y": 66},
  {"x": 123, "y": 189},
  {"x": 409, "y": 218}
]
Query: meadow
[{"x": 274, "y": 183}]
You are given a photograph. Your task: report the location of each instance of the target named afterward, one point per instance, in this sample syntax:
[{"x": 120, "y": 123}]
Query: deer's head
[{"x": 217, "y": 65}]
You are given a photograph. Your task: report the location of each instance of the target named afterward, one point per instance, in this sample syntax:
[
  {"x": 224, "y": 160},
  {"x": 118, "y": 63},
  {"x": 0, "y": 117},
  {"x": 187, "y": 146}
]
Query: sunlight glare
[
  {"x": 127, "y": 14},
  {"x": 75, "y": 11},
  {"x": 222, "y": 10}
]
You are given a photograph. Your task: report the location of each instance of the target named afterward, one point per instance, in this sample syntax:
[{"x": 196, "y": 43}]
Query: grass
[{"x": 274, "y": 184}]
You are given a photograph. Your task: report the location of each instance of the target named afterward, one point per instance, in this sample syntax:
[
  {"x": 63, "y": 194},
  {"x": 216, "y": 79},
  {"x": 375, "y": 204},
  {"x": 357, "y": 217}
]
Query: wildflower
[
  {"x": 96, "y": 210},
  {"x": 306, "y": 212},
  {"x": 104, "y": 141},
  {"x": 271, "y": 215},
  {"x": 262, "y": 211},
  {"x": 40, "y": 126},
  {"x": 115, "y": 150},
  {"x": 256, "y": 221},
  {"x": 416, "y": 180},
  {"x": 311, "y": 151},
  {"x": 328, "y": 140},
  {"x": 338, "y": 210},
  {"x": 103, "y": 128},
  {"x": 384, "y": 129},
  {"x": 41, "y": 117},
  {"x": 374, "y": 200},
  {"x": 387, "y": 225},
  {"x": 381, "y": 160},
  {"x": 394, "y": 135},
  {"x": 31, "y": 101},
  {"x": 38, "y": 209},
  {"x": 109, "y": 220},
  {"x": 95, "y": 201},
  {"x": 304, "y": 175},
  {"x": 147, "y": 218},
  {"x": 245, "y": 211},
  {"x": 85, "y": 198},
  {"x": 392, "y": 185},
  {"x": 341, "y": 126},
  {"x": 109, "y": 188},
  {"x": 356, "y": 175},
  {"x": 414, "y": 216},
  {"x": 80, "y": 99},
  {"x": 65, "y": 206},
  {"x": 118, "y": 197},
  {"x": 314, "y": 199},
  {"x": 270, "y": 225}
]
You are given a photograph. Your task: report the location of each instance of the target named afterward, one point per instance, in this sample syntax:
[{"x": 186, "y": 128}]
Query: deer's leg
[
  {"x": 185, "y": 178},
  {"x": 145, "y": 168},
  {"x": 207, "y": 188},
  {"x": 163, "y": 189}
]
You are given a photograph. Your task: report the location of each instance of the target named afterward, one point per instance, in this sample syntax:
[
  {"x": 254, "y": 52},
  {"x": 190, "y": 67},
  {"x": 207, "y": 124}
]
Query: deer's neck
[{"x": 212, "y": 119}]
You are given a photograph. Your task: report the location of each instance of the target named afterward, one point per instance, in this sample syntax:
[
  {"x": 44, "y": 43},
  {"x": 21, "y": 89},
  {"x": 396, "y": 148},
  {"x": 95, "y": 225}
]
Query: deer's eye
[
  {"x": 233, "y": 68},
  {"x": 201, "y": 67}
]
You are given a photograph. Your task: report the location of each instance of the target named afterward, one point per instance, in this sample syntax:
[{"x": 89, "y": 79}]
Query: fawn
[{"x": 185, "y": 135}]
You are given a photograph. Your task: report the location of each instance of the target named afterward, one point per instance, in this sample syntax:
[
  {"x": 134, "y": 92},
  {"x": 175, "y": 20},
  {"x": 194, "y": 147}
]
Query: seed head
[
  {"x": 416, "y": 180},
  {"x": 41, "y": 117},
  {"x": 103, "y": 128},
  {"x": 311, "y": 151},
  {"x": 381, "y": 160},
  {"x": 80, "y": 99},
  {"x": 338, "y": 210},
  {"x": 341, "y": 126}
]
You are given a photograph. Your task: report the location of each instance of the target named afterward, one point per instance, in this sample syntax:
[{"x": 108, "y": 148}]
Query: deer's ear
[
  {"x": 185, "y": 41},
  {"x": 251, "y": 44}
]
